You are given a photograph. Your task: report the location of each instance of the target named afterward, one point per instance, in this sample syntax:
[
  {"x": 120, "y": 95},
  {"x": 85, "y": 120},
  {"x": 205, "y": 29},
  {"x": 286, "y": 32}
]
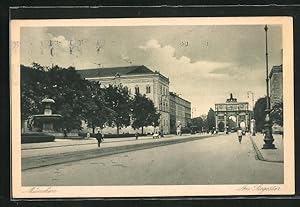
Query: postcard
[{"x": 152, "y": 107}]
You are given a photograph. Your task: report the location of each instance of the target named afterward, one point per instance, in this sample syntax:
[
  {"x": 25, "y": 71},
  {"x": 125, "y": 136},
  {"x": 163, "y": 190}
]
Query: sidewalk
[
  {"x": 71, "y": 142},
  {"x": 34, "y": 158},
  {"x": 86, "y": 141},
  {"x": 270, "y": 155}
]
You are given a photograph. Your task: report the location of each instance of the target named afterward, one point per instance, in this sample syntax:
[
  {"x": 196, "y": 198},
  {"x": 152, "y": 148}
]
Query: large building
[
  {"x": 137, "y": 79},
  {"x": 180, "y": 112},
  {"x": 276, "y": 89}
]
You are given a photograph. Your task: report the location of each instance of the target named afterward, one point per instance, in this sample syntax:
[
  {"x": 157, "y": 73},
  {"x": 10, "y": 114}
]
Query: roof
[
  {"x": 108, "y": 72},
  {"x": 172, "y": 94},
  {"x": 275, "y": 69}
]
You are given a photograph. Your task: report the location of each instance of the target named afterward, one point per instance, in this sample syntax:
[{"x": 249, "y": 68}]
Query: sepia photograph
[{"x": 152, "y": 107}]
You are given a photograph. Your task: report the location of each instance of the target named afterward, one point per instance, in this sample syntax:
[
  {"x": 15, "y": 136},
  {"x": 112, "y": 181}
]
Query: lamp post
[{"x": 268, "y": 138}]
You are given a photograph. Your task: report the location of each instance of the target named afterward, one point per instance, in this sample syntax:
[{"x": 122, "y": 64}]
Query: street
[{"x": 214, "y": 160}]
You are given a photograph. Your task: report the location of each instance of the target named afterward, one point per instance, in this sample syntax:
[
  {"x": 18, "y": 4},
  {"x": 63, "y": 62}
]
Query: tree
[
  {"x": 198, "y": 122},
  {"x": 221, "y": 126},
  {"x": 231, "y": 124},
  {"x": 96, "y": 112},
  {"x": 31, "y": 88},
  {"x": 70, "y": 93},
  {"x": 143, "y": 112},
  {"x": 211, "y": 119},
  {"x": 277, "y": 113},
  {"x": 64, "y": 85},
  {"x": 118, "y": 100},
  {"x": 259, "y": 113}
]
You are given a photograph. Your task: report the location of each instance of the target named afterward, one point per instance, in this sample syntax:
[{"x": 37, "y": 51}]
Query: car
[{"x": 156, "y": 136}]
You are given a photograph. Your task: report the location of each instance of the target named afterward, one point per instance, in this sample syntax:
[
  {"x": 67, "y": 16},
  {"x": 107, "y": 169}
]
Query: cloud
[
  {"x": 164, "y": 59},
  {"x": 62, "y": 41},
  {"x": 151, "y": 44},
  {"x": 217, "y": 61}
]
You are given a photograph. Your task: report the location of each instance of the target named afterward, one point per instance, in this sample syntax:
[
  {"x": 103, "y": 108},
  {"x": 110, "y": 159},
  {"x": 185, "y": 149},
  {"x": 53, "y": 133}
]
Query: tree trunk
[
  {"x": 118, "y": 129},
  {"x": 142, "y": 130},
  {"x": 93, "y": 129},
  {"x": 23, "y": 126}
]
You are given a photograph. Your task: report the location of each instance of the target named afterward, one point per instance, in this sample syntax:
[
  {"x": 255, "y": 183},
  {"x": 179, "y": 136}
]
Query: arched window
[{"x": 148, "y": 89}]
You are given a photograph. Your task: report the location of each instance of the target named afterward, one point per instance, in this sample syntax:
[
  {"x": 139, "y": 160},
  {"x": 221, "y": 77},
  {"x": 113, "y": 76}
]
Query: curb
[
  {"x": 258, "y": 153},
  {"x": 68, "y": 145},
  {"x": 49, "y": 160},
  {"x": 79, "y": 144}
]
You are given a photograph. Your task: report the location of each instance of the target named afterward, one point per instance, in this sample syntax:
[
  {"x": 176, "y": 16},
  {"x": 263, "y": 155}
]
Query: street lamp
[{"x": 268, "y": 138}]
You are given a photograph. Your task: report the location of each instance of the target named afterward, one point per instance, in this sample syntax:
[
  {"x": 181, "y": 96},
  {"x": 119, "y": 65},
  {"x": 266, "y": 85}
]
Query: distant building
[
  {"x": 137, "y": 79},
  {"x": 232, "y": 114},
  {"x": 276, "y": 89},
  {"x": 276, "y": 92},
  {"x": 180, "y": 112}
]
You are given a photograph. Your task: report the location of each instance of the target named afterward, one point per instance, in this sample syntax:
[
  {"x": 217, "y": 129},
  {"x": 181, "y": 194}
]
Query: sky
[{"x": 204, "y": 63}]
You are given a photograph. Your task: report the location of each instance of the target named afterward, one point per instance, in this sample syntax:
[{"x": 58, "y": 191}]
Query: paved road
[
  {"x": 41, "y": 149},
  {"x": 215, "y": 160}
]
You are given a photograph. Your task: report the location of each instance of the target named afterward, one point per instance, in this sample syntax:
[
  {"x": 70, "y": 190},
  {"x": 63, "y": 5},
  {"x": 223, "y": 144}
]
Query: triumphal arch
[{"x": 232, "y": 114}]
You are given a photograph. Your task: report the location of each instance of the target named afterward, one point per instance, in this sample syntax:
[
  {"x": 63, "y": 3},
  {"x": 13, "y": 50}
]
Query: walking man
[
  {"x": 240, "y": 134},
  {"x": 99, "y": 138}
]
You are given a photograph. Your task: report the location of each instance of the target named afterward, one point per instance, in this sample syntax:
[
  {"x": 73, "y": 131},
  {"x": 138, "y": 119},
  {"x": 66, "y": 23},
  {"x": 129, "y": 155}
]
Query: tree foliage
[
  {"x": 277, "y": 113},
  {"x": 259, "y": 113},
  {"x": 211, "y": 119},
  {"x": 31, "y": 90},
  {"x": 77, "y": 100},
  {"x": 96, "y": 111},
  {"x": 143, "y": 112},
  {"x": 118, "y": 100},
  {"x": 198, "y": 123},
  {"x": 72, "y": 94}
]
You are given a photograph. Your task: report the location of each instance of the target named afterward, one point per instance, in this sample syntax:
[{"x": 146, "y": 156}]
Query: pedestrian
[
  {"x": 161, "y": 133},
  {"x": 136, "y": 135},
  {"x": 99, "y": 138},
  {"x": 240, "y": 135},
  {"x": 65, "y": 132}
]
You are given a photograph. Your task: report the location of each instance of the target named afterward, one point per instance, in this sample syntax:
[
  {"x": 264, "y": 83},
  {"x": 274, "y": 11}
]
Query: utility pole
[{"x": 268, "y": 139}]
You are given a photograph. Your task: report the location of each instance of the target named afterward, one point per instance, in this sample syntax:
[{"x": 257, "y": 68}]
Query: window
[
  {"x": 137, "y": 89},
  {"x": 148, "y": 89}
]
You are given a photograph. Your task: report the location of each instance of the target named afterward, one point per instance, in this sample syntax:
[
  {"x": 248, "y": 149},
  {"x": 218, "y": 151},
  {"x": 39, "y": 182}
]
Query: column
[
  {"x": 216, "y": 121},
  {"x": 237, "y": 120},
  {"x": 225, "y": 120},
  {"x": 246, "y": 116}
]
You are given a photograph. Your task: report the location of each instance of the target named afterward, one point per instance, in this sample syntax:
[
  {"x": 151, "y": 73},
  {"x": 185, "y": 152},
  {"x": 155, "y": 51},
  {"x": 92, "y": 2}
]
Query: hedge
[
  {"x": 36, "y": 138},
  {"x": 118, "y": 135}
]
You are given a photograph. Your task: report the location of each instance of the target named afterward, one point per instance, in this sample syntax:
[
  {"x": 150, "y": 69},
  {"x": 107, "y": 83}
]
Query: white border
[{"x": 287, "y": 188}]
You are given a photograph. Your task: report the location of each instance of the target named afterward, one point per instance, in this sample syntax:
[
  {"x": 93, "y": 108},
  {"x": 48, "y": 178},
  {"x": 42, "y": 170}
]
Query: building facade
[
  {"x": 276, "y": 86},
  {"x": 180, "y": 112},
  {"x": 276, "y": 92},
  {"x": 232, "y": 114},
  {"x": 137, "y": 79}
]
